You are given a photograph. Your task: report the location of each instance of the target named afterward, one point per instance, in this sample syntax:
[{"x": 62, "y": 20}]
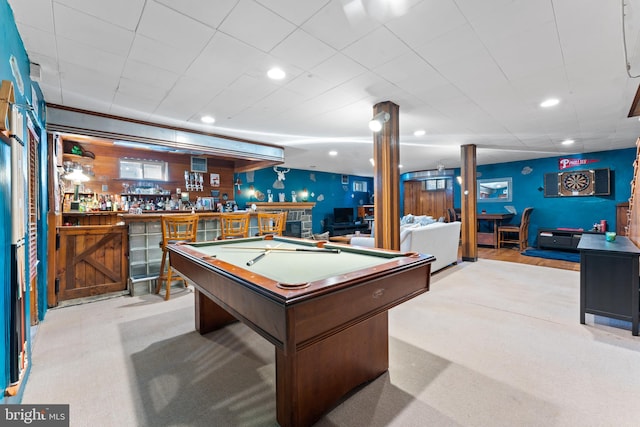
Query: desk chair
[
  {"x": 234, "y": 225},
  {"x": 271, "y": 223},
  {"x": 518, "y": 234},
  {"x": 175, "y": 229},
  {"x": 451, "y": 215}
]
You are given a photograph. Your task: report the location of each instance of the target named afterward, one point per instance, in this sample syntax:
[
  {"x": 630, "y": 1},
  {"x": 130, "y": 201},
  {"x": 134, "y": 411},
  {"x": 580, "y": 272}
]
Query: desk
[
  {"x": 325, "y": 313},
  {"x": 491, "y": 238},
  {"x": 609, "y": 279},
  {"x": 346, "y": 238}
]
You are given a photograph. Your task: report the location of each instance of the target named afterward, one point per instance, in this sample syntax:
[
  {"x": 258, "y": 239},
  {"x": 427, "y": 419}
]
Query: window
[
  {"x": 360, "y": 186},
  {"x": 199, "y": 164},
  {"x": 144, "y": 169}
]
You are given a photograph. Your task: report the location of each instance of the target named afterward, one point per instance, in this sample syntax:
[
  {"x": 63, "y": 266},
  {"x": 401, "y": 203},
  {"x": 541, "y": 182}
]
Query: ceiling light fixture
[
  {"x": 276, "y": 74},
  {"x": 568, "y": 142},
  {"x": 551, "y": 102},
  {"x": 333, "y": 153},
  {"x": 207, "y": 119},
  {"x": 419, "y": 132},
  {"x": 376, "y": 123}
]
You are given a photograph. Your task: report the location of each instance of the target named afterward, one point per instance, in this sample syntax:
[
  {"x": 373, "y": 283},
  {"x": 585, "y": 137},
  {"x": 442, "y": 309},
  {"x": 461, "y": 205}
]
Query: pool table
[{"x": 322, "y": 305}]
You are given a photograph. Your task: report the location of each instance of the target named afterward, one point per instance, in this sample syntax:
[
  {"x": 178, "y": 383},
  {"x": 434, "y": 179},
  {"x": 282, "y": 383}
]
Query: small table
[
  {"x": 609, "y": 279},
  {"x": 325, "y": 313},
  {"x": 347, "y": 238},
  {"x": 491, "y": 238}
]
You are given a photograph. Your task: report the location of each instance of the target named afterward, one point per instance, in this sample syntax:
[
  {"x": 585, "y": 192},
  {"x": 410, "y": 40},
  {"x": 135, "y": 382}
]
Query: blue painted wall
[
  {"x": 553, "y": 212},
  {"x": 325, "y": 189}
]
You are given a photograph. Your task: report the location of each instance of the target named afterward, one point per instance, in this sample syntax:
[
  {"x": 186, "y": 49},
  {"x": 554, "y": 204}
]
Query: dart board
[{"x": 577, "y": 183}]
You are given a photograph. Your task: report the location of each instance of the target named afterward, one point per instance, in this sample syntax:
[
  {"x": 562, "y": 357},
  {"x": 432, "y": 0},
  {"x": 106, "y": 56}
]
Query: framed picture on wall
[
  {"x": 345, "y": 179},
  {"x": 215, "y": 180},
  {"x": 442, "y": 184}
]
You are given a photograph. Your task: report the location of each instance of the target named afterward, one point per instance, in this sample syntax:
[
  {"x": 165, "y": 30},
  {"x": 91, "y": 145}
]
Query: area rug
[{"x": 549, "y": 254}]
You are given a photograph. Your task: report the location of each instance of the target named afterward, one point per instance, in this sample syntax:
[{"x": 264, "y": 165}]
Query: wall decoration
[
  {"x": 588, "y": 182},
  {"x": 214, "y": 180},
  {"x": 345, "y": 180},
  {"x": 565, "y": 163},
  {"x": 279, "y": 182},
  {"x": 526, "y": 170}
]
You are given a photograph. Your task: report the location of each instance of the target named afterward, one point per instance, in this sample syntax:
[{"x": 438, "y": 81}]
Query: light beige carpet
[{"x": 492, "y": 344}]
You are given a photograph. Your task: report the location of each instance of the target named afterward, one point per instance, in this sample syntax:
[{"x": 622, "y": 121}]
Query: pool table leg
[
  {"x": 209, "y": 315},
  {"x": 313, "y": 380}
]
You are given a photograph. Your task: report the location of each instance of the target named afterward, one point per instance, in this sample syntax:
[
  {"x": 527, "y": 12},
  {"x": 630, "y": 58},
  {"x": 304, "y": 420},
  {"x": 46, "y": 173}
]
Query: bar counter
[{"x": 143, "y": 234}]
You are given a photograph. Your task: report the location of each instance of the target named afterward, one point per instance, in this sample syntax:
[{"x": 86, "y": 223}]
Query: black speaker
[
  {"x": 601, "y": 182},
  {"x": 550, "y": 185}
]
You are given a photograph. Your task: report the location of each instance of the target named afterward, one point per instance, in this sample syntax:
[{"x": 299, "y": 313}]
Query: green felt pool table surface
[{"x": 285, "y": 264}]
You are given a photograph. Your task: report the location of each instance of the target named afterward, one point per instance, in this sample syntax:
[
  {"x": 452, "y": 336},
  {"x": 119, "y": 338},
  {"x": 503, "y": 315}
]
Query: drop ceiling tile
[
  {"x": 126, "y": 104},
  {"x": 411, "y": 73},
  {"x": 123, "y": 13},
  {"x": 332, "y": 26},
  {"x": 224, "y": 58},
  {"x": 527, "y": 52},
  {"x": 202, "y": 10},
  {"x": 40, "y": 17},
  {"x": 512, "y": 18},
  {"x": 256, "y": 25},
  {"x": 141, "y": 90},
  {"x": 296, "y": 12},
  {"x": 74, "y": 25},
  {"x": 38, "y": 42},
  {"x": 427, "y": 21},
  {"x": 162, "y": 56},
  {"x": 302, "y": 50},
  {"x": 376, "y": 48},
  {"x": 149, "y": 75},
  {"x": 338, "y": 69},
  {"x": 308, "y": 85},
  {"x": 89, "y": 57},
  {"x": 173, "y": 29}
]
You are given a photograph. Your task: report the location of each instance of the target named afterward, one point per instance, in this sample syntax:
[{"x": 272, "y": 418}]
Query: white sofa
[{"x": 440, "y": 239}]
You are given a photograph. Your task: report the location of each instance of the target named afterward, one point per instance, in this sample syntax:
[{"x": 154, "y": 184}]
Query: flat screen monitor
[{"x": 342, "y": 214}]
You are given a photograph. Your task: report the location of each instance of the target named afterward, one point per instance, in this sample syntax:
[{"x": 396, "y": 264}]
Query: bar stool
[
  {"x": 175, "y": 229},
  {"x": 234, "y": 225},
  {"x": 271, "y": 223}
]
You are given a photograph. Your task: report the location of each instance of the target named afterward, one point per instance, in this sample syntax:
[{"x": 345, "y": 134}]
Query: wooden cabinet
[
  {"x": 609, "y": 279},
  {"x": 622, "y": 218}
]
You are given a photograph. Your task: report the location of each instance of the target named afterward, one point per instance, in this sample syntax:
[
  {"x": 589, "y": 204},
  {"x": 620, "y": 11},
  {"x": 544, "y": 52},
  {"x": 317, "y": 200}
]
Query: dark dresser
[{"x": 609, "y": 284}]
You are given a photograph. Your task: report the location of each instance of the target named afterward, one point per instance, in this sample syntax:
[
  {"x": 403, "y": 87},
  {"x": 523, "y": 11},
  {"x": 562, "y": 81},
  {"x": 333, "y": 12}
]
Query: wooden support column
[
  {"x": 469, "y": 203},
  {"x": 386, "y": 156}
]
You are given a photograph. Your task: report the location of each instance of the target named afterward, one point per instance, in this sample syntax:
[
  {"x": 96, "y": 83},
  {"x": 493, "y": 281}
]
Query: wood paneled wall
[
  {"x": 106, "y": 170},
  {"x": 418, "y": 201}
]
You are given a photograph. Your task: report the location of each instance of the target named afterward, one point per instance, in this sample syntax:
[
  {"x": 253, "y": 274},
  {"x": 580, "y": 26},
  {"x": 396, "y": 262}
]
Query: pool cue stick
[
  {"x": 262, "y": 255},
  {"x": 258, "y": 258},
  {"x": 317, "y": 250}
]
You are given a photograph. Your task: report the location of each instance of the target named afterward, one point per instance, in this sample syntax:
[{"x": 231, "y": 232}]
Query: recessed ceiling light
[
  {"x": 550, "y": 102},
  {"x": 207, "y": 119},
  {"x": 568, "y": 142},
  {"x": 400, "y": 166},
  {"x": 333, "y": 153},
  {"x": 276, "y": 74},
  {"x": 420, "y": 132},
  {"x": 372, "y": 162}
]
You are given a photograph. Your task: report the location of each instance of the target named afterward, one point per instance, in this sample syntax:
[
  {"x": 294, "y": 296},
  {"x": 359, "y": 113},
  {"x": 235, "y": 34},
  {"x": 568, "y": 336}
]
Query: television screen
[{"x": 342, "y": 214}]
